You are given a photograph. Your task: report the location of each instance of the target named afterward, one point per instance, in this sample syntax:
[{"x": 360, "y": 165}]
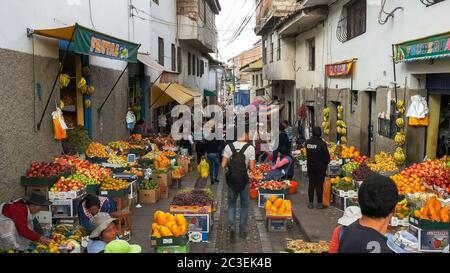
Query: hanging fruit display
[
  {"x": 87, "y": 103},
  {"x": 400, "y": 137},
  {"x": 326, "y": 121},
  {"x": 341, "y": 125},
  {"x": 64, "y": 80}
]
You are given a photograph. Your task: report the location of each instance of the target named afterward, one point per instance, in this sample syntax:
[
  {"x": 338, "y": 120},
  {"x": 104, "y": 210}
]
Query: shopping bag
[
  {"x": 59, "y": 132},
  {"x": 203, "y": 169},
  {"x": 326, "y": 193}
]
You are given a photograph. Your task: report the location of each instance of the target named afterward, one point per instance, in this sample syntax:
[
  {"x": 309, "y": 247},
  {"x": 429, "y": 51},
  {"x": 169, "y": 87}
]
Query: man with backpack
[{"x": 239, "y": 157}]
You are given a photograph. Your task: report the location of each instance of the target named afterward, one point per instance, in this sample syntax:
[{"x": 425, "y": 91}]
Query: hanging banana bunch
[
  {"x": 341, "y": 125},
  {"x": 82, "y": 86},
  {"x": 400, "y": 137},
  {"x": 64, "y": 80},
  {"x": 326, "y": 121}
]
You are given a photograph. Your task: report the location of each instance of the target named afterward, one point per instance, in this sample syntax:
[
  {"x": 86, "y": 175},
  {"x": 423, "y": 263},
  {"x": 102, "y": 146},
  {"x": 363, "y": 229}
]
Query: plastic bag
[
  {"x": 418, "y": 108},
  {"x": 203, "y": 169},
  {"x": 59, "y": 126},
  {"x": 326, "y": 196}
]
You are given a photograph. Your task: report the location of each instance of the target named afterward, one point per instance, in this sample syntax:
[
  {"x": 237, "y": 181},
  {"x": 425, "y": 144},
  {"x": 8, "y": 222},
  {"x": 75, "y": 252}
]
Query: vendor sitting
[
  {"x": 281, "y": 167},
  {"x": 22, "y": 212},
  {"x": 104, "y": 231},
  {"x": 92, "y": 205}
]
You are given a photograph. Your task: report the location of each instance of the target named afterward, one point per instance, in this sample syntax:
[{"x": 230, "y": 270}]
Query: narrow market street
[{"x": 259, "y": 239}]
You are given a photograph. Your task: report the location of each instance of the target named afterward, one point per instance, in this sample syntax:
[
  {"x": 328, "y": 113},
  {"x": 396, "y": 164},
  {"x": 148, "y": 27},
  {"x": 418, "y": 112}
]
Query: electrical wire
[
  {"x": 90, "y": 15},
  {"x": 382, "y": 21}
]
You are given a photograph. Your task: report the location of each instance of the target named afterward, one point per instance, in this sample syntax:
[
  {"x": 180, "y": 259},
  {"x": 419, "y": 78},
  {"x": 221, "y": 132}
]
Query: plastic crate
[{"x": 276, "y": 224}]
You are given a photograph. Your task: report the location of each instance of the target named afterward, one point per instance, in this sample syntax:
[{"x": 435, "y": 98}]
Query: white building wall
[
  {"x": 193, "y": 82},
  {"x": 373, "y": 49}
]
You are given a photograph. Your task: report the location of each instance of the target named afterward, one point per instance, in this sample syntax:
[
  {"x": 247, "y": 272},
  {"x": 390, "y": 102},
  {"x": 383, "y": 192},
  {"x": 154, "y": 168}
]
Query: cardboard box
[
  {"x": 164, "y": 192},
  {"x": 263, "y": 197},
  {"x": 169, "y": 241},
  {"x": 65, "y": 208},
  {"x": 73, "y": 194},
  {"x": 163, "y": 179},
  {"x": 44, "y": 218},
  {"x": 148, "y": 196},
  {"x": 276, "y": 224},
  {"x": 190, "y": 209},
  {"x": 430, "y": 240},
  {"x": 172, "y": 249}
]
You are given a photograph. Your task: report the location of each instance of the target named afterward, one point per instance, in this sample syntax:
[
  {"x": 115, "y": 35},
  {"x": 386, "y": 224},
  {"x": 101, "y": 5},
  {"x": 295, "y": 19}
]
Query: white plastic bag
[{"x": 418, "y": 107}]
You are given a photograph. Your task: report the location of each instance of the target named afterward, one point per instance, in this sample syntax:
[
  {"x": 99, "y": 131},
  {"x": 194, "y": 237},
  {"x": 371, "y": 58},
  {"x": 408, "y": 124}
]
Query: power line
[{"x": 244, "y": 25}]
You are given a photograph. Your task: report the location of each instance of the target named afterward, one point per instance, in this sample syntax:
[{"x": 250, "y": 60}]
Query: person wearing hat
[
  {"x": 121, "y": 246},
  {"x": 22, "y": 212},
  {"x": 351, "y": 214},
  {"x": 317, "y": 160},
  {"x": 104, "y": 231}
]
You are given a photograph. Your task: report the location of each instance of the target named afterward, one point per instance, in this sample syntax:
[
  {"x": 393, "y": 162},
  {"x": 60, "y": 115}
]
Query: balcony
[
  {"x": 282, "y": 69},
  {"x": 196, "y": 24},
  {"x": 312, "y": 3},
  {"x": 269, "y": 11},
  {"x": 303, "y": 20}
]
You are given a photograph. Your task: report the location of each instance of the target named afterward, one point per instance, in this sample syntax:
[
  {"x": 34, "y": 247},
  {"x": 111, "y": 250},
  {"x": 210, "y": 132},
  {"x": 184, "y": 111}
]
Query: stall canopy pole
[
  {"x": 395, "y": 72},
  {"x": 112, "y": 89},
  {"x": 61, "y": 66}
]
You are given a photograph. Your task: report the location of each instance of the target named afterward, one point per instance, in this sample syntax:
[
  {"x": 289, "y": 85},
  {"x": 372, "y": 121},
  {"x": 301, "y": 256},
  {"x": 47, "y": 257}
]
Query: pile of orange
[
  {"x": 111, "y": 184},
  {"x": 349, "y": 152},
  {"x": 406, "y": 185}
]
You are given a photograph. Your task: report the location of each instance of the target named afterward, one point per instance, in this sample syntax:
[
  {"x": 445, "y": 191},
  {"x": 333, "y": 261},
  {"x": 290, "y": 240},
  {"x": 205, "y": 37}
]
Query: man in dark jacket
[{"x": 318, "y": 159}]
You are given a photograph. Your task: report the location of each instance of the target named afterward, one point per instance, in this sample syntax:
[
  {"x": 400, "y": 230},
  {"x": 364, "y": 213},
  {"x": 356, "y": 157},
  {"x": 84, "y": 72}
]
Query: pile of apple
[
  {"x": 67, "y": 184},
  {"x": 84, "y": 167},
  {"x": 273, "y": 185},
  {"x": 45, "y": 169},
  {"x": 432, "y": 172}
]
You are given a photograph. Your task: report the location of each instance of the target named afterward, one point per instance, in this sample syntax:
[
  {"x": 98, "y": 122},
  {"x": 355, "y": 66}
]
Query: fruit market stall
[
  {"x": 278, "y": 213},
  {"x": 169, "y": 233}
]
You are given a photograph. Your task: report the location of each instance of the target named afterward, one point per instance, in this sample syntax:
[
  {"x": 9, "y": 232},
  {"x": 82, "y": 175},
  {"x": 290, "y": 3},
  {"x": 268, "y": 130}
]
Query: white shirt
[{"x": 249, "y": 152}]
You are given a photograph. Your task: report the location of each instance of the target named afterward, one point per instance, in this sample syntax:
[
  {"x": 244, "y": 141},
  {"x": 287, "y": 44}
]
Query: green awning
[
  {"x": 91, "y": 42},
  {"x": 432, "y": 47},
  {"x": 209, "y": 93}
]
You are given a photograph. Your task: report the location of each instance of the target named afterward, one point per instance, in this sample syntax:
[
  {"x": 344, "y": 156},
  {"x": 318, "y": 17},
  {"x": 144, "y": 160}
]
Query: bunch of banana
[
  {"x": 326, "y": 112},
  {"x": 87, "y": 103},
  {"x": 400, "y": 139},
  {"x": 340, "y": 109},
  {"x": 341, "y": 123},
  {"x": 63, "y": 229},
  {"x": 401, "y": 106},
  {"x": 325, "y": 125},
  {"x": 341, "y": 130},
  {"x": 399, "y": 156},
  {"x": 90, "y": 90},
  {"x": 400, "y": 122},
  {"x": 82, "y": 85},
  {"x": 64, "y": 80},
  {"x": 401, "y": 210},
  {"x": 343, "y": 140}
]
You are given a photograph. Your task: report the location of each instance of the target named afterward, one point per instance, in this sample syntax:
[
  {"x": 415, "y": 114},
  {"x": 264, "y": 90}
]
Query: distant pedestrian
[
  {"x": 377, "y": 198},
  {"x": 283, "y": 142},
  {"x": 213, "y": 148},
  {"x": 239, "y": 157},
  {"x": 318, "y": 159},
  {"x": 351, "y": 214}
]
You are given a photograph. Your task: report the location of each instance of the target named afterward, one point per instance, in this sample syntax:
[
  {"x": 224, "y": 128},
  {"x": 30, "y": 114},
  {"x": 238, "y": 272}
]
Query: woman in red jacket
[{"x": 22, "y": 212}]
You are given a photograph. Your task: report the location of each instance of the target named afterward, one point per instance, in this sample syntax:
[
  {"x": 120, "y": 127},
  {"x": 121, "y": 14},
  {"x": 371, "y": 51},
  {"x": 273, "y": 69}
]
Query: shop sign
[
  {"x": 433, "y": 47},
  {"x": 95, "y": 43},
  {"x": 339, "y": 69}
]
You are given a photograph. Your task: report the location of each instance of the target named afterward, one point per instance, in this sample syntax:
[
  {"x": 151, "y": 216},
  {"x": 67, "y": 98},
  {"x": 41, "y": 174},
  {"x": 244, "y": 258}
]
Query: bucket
[
  {"x": 293, "y": 187},
  {"x": 253, "y": 193}
]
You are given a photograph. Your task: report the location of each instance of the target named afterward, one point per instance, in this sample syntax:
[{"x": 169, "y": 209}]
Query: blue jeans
[
  {"x": 214, "y": 165},
  {"x": 245, "y": 202}
]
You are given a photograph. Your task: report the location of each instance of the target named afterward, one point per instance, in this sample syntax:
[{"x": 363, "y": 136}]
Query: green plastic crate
[{"x": 172, "y": 249}]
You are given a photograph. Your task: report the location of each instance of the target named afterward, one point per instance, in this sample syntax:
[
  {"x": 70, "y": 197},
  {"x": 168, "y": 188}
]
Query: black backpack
[{"x": 237, "y": 176}]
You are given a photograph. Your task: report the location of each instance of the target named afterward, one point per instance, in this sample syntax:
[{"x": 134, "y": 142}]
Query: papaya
[
  {"x": 165, "y": 231},
  {"x": 183, "y": 229},
  {"x": 445, "y": 217},
  {"x": 161, "y": 219},
  {"x": 288, "y": 205},
  {"x": 282, "y": 209},
  {"x": 272, "y": 199},
  {"x": 176, "y": 231},
  {"x": 268, "y": 205},
  {"x": 170, "y": 224},
  {"x": 169, "y": 217},
  {"x": 155, "y": 226},
  {"x": 180, "y": 219},
  {"x": 278, "y": 203},
  {"x": 155, "y": 215},
  {"x": 156, "y": 234}
]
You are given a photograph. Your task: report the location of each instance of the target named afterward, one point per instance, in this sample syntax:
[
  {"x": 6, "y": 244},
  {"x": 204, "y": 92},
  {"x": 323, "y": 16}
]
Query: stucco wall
[{"x": 20, "y": 144}]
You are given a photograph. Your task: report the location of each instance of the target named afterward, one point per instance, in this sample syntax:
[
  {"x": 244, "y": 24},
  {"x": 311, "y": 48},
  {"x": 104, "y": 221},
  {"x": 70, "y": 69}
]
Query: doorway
[{"x": 372, "y": 122}]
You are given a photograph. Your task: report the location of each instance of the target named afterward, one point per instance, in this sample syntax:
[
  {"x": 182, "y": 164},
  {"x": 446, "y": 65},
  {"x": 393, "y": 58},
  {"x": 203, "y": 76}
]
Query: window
[
  {"x": 202, "y": 68},
  {"x": 193, "y": 65},
  {"x": 271, "y": 48},
  {"x": 198, "y": 67},
  {"x": 156, "y": 1},
  {"x": 179, "y": 59},
  {"x": 264, "y": 54},
  {"x": 279, "y": 50},
  {"x": 253, "y": 79},
  {"x": 260, "y": 92},
  {"x": 189, "y": 63},
  {"x": 161, "y": 51},
  {"x": 261, "y": 78},
  {"x": 174, "y": 58},
  {"x": 312, "y": 54},
  {"x": 356, "y": 18}
]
